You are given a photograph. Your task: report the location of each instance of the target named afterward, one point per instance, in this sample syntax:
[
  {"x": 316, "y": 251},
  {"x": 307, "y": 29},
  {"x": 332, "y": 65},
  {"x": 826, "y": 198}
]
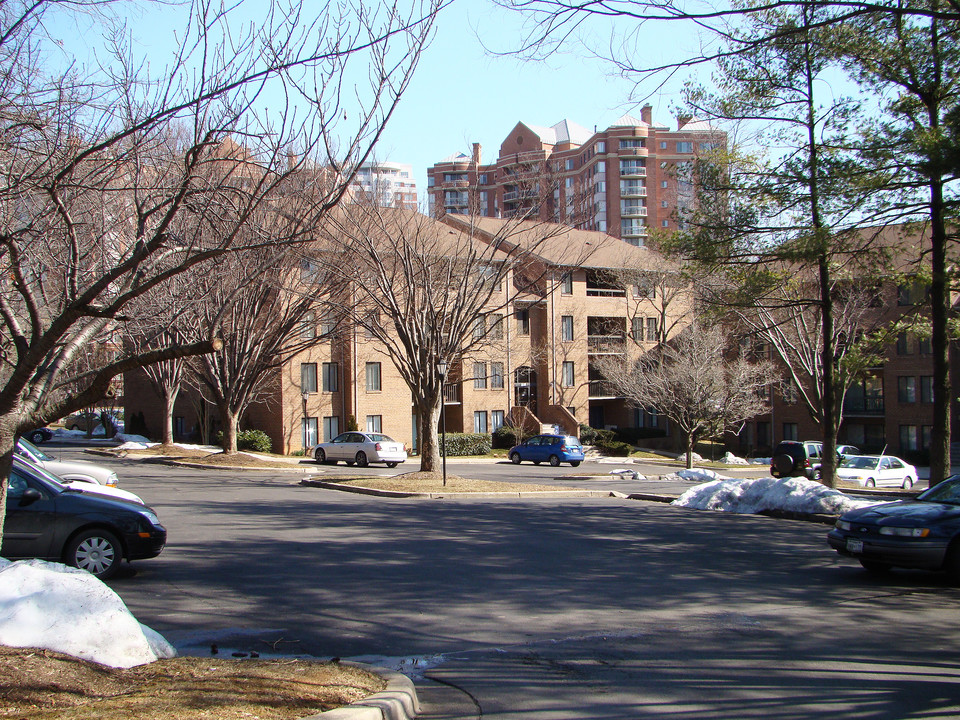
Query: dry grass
[
  {"x": 426, "y": 482},
  {"x": 45, "y": 684},
  {"x": 205, "y": 457}
]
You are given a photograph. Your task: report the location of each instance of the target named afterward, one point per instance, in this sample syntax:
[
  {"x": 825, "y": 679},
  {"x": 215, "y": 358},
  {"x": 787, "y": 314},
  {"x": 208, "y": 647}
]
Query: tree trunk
[
  {"x": 230, "y": 424},
  {"x": 429, "y": 414},
  {"x": 7, "y": 440},
  {"x": 169, "y": 400},
  {"x": 690, "y": 444}
]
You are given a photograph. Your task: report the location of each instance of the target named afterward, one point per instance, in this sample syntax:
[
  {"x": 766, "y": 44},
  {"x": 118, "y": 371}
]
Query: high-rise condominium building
[
  {"x": 623, "y": 180},
  {"x": 390, "y": 184}
]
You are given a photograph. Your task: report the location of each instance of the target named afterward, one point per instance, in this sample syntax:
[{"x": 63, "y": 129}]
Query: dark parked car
[
  {"x": 49, "y": 520},
  {"x": 920, "y": 533},
  {"x": 553, "y": 449},
  {"x": 40, "y": 435},
  {"x": 792, "y": 458}
]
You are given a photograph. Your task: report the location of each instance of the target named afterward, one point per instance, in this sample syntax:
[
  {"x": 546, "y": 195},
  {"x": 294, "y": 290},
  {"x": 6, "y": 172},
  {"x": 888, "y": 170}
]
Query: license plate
[{"x": 855, "y": 546}]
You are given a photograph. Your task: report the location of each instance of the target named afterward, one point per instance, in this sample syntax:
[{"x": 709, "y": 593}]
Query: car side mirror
[{"x": 30, "y": 496}]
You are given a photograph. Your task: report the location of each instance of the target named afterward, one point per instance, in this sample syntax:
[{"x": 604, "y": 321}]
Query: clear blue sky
[{"x": 461, "y": 94}]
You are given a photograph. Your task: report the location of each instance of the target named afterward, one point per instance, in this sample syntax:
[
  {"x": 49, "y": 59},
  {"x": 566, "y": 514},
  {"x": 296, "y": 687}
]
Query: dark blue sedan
[
  {"x": 553, "y": 449},
  {"x": 922, "y": 533}
]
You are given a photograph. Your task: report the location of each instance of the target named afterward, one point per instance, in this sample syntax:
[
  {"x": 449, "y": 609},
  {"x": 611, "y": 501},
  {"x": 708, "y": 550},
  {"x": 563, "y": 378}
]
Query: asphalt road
[{"x": 545, "y": 608}]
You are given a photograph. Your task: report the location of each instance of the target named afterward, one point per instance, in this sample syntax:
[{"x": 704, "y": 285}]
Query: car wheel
[
  {"x": 391, "y": 465},
  {"x": 874, "y": 566},
  {"x": 75, "y": 427},
  {"x": 574, "y": 463},
  {"x": 783, "y": 464},
  {"x": 554, "y": 460},
  {"x": 817, "y": 475},
  {"x": 320, "y": 455},
  {"x": 907, "y": 482},
  {"x": 870, "y": 483},
  {"x": 361, "y": 459},
  {"x": 515, "y": 458},
  {"x": 97, "y": 551},
  {"x": 37, "y": 437}
]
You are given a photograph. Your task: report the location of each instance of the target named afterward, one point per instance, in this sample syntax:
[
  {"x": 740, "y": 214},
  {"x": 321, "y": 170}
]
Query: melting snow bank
[
  {"x": 766, "y": 494},
  {"x": 52, "y": 606}
]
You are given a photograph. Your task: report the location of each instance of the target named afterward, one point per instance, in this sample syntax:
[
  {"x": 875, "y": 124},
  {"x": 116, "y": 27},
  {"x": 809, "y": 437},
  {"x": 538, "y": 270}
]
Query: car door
[
  {"x": 30, "y": 524},
  {"x": 889, "y": 472},
  {"x": 531, "y": 449},
  {"x": 337, "y": 451}
]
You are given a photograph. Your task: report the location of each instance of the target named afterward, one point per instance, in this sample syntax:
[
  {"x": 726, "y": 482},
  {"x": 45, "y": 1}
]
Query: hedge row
[{"x": 459, "y": 444}]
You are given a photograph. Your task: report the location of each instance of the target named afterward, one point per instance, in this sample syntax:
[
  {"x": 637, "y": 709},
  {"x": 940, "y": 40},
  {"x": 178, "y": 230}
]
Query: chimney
[
  {"x": 646, "y": 114},
  {"x": 683, "y": 120},
  {"x": 476, "y": 153}
]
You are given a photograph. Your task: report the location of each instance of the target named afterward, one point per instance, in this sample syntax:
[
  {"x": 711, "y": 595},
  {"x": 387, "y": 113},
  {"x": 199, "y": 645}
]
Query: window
[
  {"x": 309, "y": 271},
  {"x": 566, "y": 284},
  {"x": 523, "y": 321},
  {"x": 664, "y": 223},
  {"x": 923, "y": 346},
  {"x": 907, "y": 389},
  {"x": 567, "y": 378},
  {"x": 601, "y": 146},
  {"x": 330, "y": 373},
  {"x": 790, "y": 397},
  {"x": 483, "y": 179},
  {"x": 903, "y": 344},
  {"x": 571, "y": 164},
  {"x": 663, "y": 144},
  {"x": 373, "y": 377},
  {"x": 626, "y": 143},
  {"x": 663, "y": 184},
  {"x": 374, "y": 423},
  {"x": 684, "y": 147},
  {"x": 369, "y": 323},
  {"x": 496, "y": 326},
  {"x": 309, "y": 431},
  {"x": 926, "y": 435},
  {"x": 308, "y": 377},
  {"x": 331, "y": 428},
  {"x": 308, "y": 326},
  {"x": 496, "y": 420},
  {"x": 926, "y": 388},
  {"x": 912, "y": 293},
  {"x": 496, "y": 375},
  {"x": 480, "y": 421},
  {"x": 633, "y": 167},
  {"x": 327, "y": 325},
  {"x": 908, "y": 438},
  {"x": 479, "y": 376},
  {"x": 636, "y": 329},
  {"x": 651, "y": 329},
  {"x": 479, "y": 327},
  {"x": 790, "y": 431},
  {"x": 566, "y": 328}
]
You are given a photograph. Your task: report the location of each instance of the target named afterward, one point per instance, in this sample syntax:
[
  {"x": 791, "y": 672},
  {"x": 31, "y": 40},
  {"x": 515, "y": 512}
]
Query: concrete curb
[
  {"x": 160, "y": 460},
  {"x": 360, "y": 490},
  {"x": 398, "y": 701}
]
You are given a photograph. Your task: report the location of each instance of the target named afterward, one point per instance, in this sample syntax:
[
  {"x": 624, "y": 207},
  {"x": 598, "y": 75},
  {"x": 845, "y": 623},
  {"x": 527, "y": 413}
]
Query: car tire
[
  {"x": 515, "y": 458},
  {"x": 817, "y": 475},
  {"x": 362, "y": 459},
  {"x": 554, "y": 461},
  {"x": 391, "y": 464},
  {"x": 574, "y": 463},
  {"x": 75, "y": 427},
  {"x": 97, "y": 551},
  {"x": 320, "y": 456},
  {"x": 37, "y": 437},
  {"x": 870, "y": 483},
  {"x": 875, "y": 566},
  {"x": 783, "y": 464},
  {"x": 907, "y": 482}
]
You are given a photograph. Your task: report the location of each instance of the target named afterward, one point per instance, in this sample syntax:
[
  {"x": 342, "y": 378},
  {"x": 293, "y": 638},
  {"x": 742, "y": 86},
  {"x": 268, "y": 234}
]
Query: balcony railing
[
  {"x": 633, "y": 210},
  {"x": 451, "y": 393},
  {"x": 863, "y": 406},
  {"x": 601, "y": 389},
  {"x": 605, "y": 292},
  {"x": 606, "y": 344}
]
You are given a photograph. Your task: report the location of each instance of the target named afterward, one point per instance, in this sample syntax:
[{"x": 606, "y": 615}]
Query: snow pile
[
  {"x": 731, "y": 459},
  {"x": 760, "y": 494},
  {"x": 52, "y": 606},
  {"x": 696, "y": 475}
]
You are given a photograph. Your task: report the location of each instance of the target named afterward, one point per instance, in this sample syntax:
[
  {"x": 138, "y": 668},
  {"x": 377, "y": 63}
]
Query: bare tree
[
  {"x": 116, "y": 180},
  {"x": 431, "y": 293},
  {"x": 691, "y": 382}
]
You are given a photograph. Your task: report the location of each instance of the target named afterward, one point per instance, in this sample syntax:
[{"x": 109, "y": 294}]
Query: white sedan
[
  {"x": 67, "y": 471},
  {"x": 878, "y": 471},
  {"x": 361, "y": 448}
]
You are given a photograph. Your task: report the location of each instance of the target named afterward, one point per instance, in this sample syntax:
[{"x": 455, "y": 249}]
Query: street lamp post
[
  {"x": 304, "y": 396},
  {"x": 442, "y": 372}
]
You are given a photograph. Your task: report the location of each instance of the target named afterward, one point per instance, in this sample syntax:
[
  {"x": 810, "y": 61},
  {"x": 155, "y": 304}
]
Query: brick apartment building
[
  {"x": 537, "y": 368},
  {"x": 622, "y": 181},
  {"x": 892, "y": 408}
]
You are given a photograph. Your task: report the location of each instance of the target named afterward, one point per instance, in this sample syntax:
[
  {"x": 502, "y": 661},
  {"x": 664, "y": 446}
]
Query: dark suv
[{"x": 793, "y": 458}]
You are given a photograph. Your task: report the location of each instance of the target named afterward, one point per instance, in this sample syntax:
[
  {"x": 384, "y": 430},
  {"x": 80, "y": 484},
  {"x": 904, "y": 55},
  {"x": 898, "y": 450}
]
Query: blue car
[{"x": 553, "y": 449}]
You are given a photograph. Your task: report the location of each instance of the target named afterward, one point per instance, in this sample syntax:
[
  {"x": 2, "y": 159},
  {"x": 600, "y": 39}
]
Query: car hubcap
[{"x": 95, "y": 555}]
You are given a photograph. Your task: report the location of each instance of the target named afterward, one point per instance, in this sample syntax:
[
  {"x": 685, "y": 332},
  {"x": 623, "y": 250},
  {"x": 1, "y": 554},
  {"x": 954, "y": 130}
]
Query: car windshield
[
  {"x": 861, "y": 463},
  {"x": 33, "y": 451},
  {"x": 947, "y": 492},
  {"x": 377, "y": 437},
  {"x": 48, "y": 476}
]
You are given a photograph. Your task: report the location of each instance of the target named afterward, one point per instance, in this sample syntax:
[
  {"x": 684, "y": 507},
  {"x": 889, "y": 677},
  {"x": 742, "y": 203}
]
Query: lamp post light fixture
[{"x": 442, "y": 372}]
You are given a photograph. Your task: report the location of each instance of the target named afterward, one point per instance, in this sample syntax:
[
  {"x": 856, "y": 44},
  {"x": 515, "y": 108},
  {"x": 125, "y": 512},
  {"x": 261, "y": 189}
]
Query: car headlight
[
  {"x": 844, "y": 525},
  {"x": 905, "y": 532},
  {"x": 150, "y": 517},
  {"x": 111, "y": 480}
]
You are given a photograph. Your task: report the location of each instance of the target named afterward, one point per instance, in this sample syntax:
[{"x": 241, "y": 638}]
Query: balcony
[
  {"x": 633, "y": 171},
  {"x": 633, "y": 210},
  {"x": 863, "y": 406},
  {"x": 635, "y": 151},
  {"x": 451, "y": 394},
  {"x": 632, "y": 190},
  {"x": 606, "y": 344},
  {"x": 600, "y": 389}
]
